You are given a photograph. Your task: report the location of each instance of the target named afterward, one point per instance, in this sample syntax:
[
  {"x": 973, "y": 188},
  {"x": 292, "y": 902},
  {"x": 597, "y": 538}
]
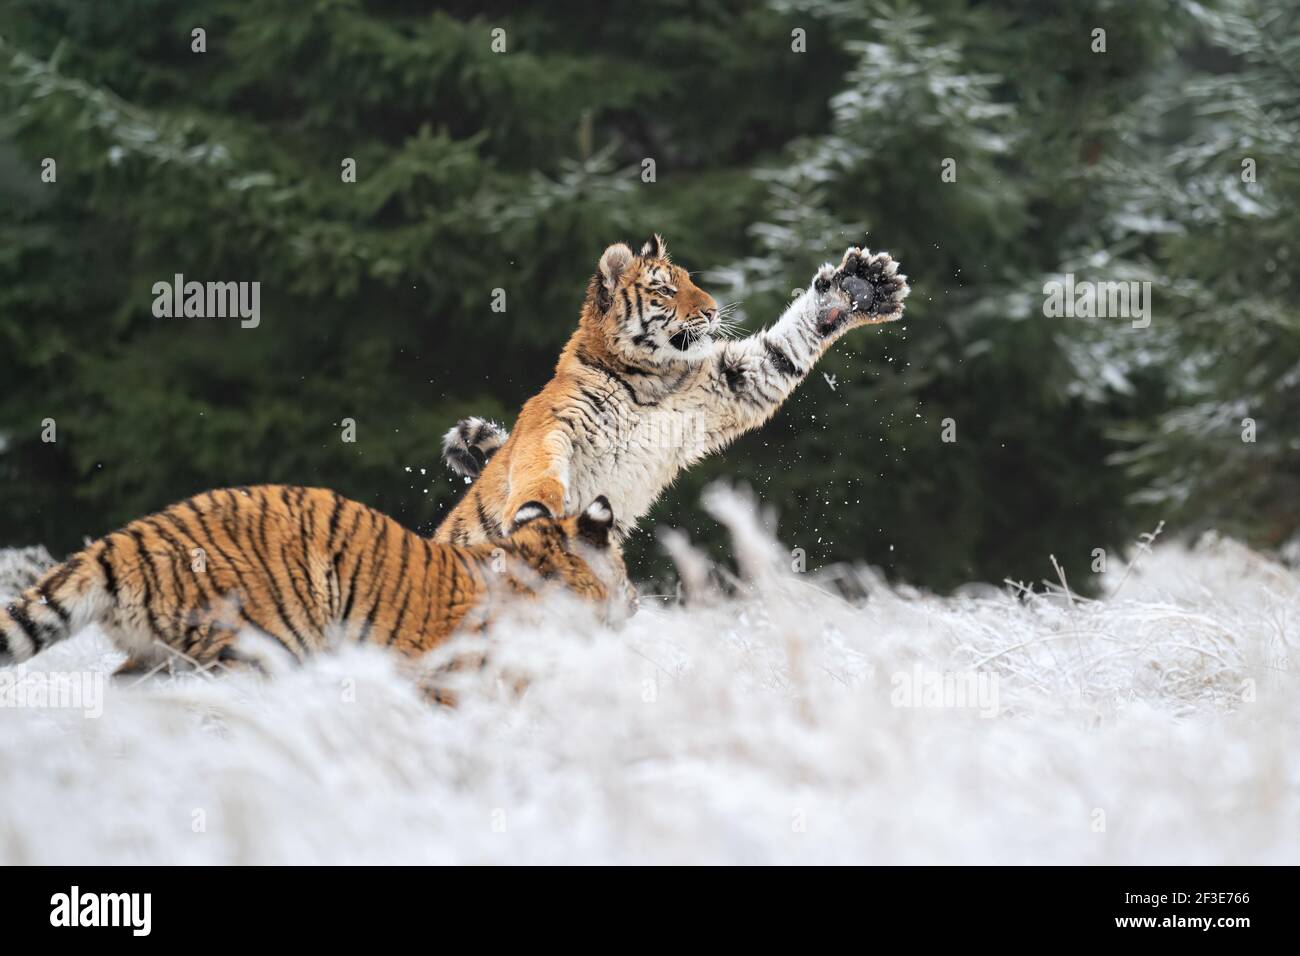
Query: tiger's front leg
[
  {"x": 750, "y": 379},
  {"x": 539, "y": 472}
]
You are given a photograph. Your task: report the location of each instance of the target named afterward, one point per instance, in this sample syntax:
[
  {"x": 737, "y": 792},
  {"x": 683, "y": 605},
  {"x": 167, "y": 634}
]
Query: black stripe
[
  {"x": 334, "y": 521},
  {"x": 263, "y": 557},
  {"x": 768, "y": 395},
  {"x": 376, "y": 570},
  {"x": 603, "y": 299},
  {"x": 177, "y": 623},
  {"x": 306, "y": 531},
  {"x": 431, "y": 576},
  {"x": 630, "y": 369},
  {"x": 60, "y": 574},
  {"x": 148, "y": 579},
  {"x": 29, "y": 628},
  {"x": 376, "y": 553},
  {"x": 458, "y": 534},
  {"x": 465, "y": 567},
  {"x": 491, "y": 527},
  {"x": 52, "y": 601},
  {"x": 210, "y": 598},
  {"x": 352, "y": 578},
  {"x": 780, "y": 361},
  {"x": 640, "y": 308},
  {"x": 405, "y": 563},
  {"x": 335, "y": 581},
  {"x": 421, "y": 582},
  {"x": 453, "y": 574},
  {"x": 266, "y": 503},
  {"x": 308, "y": 539},
  {"x": 110, "y": 579},
  {"x": 467, "y": 460},
  {"x": 681, "y": 379},
  {"x": 591, "y": 416},
  {"x": 592, "y": 363},
  {"x": 732, "y": 374},
  {"x": 234, "y": 566},
  {"x": 230, "y": 514},
  {"x": 406, "y": 591},
  {"x": 308, "y": 604},
  {"x": 401, "y": 616},
  {"x": 189, "y": 539}
]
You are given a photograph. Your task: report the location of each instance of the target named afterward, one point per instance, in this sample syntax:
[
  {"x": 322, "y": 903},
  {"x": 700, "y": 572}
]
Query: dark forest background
[{"x": 479, "y": 170}]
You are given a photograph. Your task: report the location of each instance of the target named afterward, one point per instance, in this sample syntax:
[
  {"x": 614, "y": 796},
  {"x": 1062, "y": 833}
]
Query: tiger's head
[
  {"x": 578, "y": 552},
  {"x": 648, "y": 310}
]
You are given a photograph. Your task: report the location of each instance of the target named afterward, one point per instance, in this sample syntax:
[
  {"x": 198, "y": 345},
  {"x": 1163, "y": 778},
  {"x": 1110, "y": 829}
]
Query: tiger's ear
[
  {"x": 655, "y": 248},
  {"x": 529, "y": 511},
  {"x": 596, "y": 523},
  {"x": 613, "y": 263}
]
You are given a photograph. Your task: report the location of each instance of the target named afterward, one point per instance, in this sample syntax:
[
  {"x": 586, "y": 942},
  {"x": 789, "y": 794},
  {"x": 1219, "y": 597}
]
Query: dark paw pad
[
  {"x": 861, "y": 293},
  {"x": 874, "y": 286}
]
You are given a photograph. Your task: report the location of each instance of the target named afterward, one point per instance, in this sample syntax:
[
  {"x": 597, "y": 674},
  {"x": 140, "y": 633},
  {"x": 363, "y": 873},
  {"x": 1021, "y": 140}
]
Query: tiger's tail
[
  {"x": 468, "y": 446},
  {"x": 65, "y": 599}
]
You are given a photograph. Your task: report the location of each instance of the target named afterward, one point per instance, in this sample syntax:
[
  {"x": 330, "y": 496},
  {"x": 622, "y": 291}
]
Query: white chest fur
[{"x": 630, "y": 453}]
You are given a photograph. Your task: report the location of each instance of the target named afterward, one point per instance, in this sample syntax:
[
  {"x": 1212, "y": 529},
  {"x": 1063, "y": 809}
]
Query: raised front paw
[{"x": 866, "y": 289}]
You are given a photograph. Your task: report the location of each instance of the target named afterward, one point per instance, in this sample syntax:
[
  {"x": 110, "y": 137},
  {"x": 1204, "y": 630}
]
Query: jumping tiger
[
  {"x": 307, "y": 568},
  {"x": 645, "y": 388}
]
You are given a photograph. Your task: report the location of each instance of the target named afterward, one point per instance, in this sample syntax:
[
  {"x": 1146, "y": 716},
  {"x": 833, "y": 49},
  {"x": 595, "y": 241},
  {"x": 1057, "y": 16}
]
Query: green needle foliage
[{"x": 780, "y": 133}]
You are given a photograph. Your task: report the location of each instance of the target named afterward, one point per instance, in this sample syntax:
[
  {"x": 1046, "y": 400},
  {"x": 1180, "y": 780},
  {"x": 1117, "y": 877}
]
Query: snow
[{"x": 770, "y": 726}]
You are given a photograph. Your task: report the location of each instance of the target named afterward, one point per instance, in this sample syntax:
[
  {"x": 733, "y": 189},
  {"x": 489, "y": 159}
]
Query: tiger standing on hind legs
[{"x": 645, "y": 387}]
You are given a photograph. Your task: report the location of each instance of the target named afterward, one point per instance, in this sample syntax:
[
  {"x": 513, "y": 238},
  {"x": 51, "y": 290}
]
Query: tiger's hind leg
[
  {"x": 135, "y": 666},
  {"x": 223, "y": 648},
  {"x": 205, "y": 647}
]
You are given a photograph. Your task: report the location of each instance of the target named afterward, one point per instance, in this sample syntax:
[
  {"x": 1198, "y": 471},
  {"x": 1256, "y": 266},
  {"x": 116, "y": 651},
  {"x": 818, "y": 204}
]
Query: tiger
[
  {"x": 305, "y": 567},
  {"x": 646, "y": 387}
]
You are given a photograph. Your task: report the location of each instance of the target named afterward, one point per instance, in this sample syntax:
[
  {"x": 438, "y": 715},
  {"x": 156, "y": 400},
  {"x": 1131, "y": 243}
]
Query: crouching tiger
[{"x": 306, "y": 567}]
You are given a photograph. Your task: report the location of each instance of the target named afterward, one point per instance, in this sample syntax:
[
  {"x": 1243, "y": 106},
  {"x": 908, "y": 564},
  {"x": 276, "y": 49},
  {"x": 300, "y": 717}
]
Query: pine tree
[
  {"x": 958, "y": 444},
  {"x": 496, "y": 152},
  {"x": 1205, "y": 199},
  {"x": 498, "y": 147}
]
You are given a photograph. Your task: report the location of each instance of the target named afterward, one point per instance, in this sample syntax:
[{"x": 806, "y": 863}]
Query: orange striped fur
[{"x": 305, "y": 566}]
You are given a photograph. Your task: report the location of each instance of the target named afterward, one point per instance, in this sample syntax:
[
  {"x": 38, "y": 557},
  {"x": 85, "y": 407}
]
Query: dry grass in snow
[{"x": 778, "y": 725}]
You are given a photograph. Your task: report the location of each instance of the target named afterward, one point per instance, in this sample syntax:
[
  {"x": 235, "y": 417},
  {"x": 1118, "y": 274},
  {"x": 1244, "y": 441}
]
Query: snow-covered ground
[{"x": 783, "y": 726}]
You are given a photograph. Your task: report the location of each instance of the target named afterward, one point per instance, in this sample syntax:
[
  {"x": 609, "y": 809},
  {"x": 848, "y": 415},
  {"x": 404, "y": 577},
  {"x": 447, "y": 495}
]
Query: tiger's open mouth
[{"x": 685, "y": 339}]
